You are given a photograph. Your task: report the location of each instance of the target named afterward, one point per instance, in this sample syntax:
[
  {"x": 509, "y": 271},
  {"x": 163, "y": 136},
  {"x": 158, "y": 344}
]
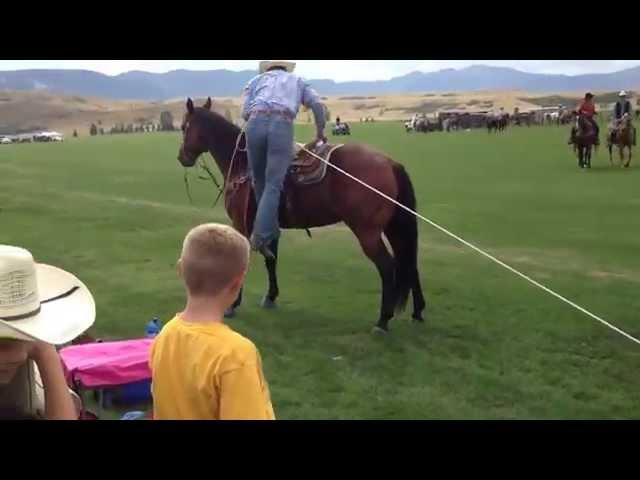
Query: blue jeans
[{"x": 270, "y": 150}]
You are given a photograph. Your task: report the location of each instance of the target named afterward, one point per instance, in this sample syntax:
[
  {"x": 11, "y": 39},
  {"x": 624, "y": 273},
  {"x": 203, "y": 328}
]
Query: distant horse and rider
[
  {"x": 497, "y": 123},
  {"x": 622, "y": 136},
  {"x": 585, "y": 133},
  {"x": 584, "y": 139}
]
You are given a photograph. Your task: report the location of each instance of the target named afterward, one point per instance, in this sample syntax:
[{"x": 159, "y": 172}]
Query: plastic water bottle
[
  {"x": 153, "y": 327},
  {"x": 135, "y": 415}
]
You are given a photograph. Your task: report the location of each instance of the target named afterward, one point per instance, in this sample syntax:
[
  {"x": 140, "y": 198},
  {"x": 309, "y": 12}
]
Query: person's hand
[
  {"x": 41, "y": 352},
  {"x": 320, "y": 138},
  {"x": 13, "y": 355},
  {"x": 59, "y": 404}
]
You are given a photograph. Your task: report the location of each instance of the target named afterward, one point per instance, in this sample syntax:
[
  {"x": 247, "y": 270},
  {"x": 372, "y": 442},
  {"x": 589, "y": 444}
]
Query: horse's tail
[{"x": 402, "y": 233}]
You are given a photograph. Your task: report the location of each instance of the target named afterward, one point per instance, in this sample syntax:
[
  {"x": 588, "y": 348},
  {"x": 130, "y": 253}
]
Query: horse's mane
[
  {"x": 226, "y": 134},
  {"x": 216, "y": 121}
]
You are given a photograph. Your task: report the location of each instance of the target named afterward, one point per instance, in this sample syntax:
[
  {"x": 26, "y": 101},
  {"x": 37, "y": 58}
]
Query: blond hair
[{"x": 213, "y": 255}]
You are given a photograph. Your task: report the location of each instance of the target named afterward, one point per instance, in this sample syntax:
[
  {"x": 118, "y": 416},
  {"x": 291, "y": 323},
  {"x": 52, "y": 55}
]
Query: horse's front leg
[
  {"x": 269, "y": 300},
  {"x": 621, "y": 151},
  {"x": 231, "y": 311}
]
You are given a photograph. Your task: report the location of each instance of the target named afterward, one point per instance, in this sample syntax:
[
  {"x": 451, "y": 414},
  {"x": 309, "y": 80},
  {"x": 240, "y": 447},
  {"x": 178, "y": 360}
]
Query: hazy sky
[{"x": 339, "y": 70}]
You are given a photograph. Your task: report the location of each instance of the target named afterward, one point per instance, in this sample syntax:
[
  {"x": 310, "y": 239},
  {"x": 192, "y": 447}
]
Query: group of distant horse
[
  {"x": 582, "y": 132},
  {"x": 621, "y": 136}
]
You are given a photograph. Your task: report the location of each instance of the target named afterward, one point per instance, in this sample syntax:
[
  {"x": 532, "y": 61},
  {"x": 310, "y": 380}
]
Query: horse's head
[
  {"x": 584, "y": 126},
  {"x": 194, "y": 142},
  {"x": 625, "y": 121}
]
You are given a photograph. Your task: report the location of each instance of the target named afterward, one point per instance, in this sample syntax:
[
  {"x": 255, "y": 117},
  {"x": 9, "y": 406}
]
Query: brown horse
[
  {"x": 584, "y": 139},
  {"x": 497, "y": 124},
  {"x": 336, "y": 198},
  {"x": 622, "y": 137}
]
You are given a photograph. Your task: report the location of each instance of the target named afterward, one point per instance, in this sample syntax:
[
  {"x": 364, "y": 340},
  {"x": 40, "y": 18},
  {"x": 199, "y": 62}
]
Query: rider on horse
[
  {"x": 587, "y": 109},
  {"x": 272, "y": 101},
  {"x": 623, "y": 107}
]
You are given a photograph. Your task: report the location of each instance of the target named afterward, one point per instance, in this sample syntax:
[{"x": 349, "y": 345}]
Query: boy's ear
[
  {"x": 179, "y": 267},
  {"x": 237, "y": 282}
]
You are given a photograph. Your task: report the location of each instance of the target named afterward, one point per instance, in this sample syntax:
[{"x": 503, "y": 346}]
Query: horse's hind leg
[
  {"x": 580, "y": 152},
  {"x": 419, "y": 303},
  {"x": 626, "y": 165},
  {"x": 374, "y": 248}
]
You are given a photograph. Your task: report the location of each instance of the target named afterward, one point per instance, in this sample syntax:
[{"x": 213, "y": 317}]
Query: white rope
[{"x": 480, "y": 251}]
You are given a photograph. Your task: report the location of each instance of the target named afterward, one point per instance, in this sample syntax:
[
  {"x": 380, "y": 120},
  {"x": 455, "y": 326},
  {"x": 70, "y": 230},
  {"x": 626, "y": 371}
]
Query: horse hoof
[
  {"x": 230, "y": 313},
  {"x": 417, "y": 319},
  {"x": 268, "y": 303},
  {"x": 379, "y": 330}
]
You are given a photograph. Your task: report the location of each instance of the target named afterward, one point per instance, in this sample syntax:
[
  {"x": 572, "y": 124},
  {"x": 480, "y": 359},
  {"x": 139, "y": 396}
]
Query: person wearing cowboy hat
[
  {"x": 272, "y": 101},
  {"x": 40, "y": 306},
  {"x": 623, "y": 106},
  {"x": 587, "y": 109}
]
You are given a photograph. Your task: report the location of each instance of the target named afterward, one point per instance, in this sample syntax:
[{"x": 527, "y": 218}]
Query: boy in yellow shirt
[{"x": 202, "y": 369}]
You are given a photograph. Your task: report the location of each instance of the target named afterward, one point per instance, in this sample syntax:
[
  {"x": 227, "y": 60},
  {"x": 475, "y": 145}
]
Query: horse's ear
[
  {"x": 189, "y": 105},
  {"x": 207, "y": 104}
]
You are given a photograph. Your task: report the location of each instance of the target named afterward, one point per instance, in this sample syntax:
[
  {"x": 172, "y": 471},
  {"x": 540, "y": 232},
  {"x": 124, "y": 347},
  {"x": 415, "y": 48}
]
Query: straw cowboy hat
[
  {"x": 267, "y": 64},
  {"x": 41, "y": 302}
]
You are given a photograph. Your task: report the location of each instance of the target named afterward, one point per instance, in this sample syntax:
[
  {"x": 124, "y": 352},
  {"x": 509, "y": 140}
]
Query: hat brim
[
  {"x": 59, "y": 321},
  {"x": 266, "y": 65}
]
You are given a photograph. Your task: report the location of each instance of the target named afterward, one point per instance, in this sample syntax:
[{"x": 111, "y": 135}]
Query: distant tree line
[{"x": 142, "y": 125}]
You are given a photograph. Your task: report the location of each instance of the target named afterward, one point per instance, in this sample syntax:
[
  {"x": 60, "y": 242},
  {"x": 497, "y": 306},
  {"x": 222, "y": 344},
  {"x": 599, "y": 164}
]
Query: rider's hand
[{"x": 320, "y": 138}]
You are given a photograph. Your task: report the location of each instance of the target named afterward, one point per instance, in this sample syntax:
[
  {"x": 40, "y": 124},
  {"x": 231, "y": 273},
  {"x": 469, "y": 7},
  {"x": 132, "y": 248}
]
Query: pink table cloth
[{"x": 107, "y": 364}]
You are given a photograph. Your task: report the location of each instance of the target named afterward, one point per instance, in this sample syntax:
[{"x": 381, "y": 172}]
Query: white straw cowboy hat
[
  {"x": 267, "y": 64},
  {"x": 41, "y": 302},
  {"x": 622, "y": 93}
]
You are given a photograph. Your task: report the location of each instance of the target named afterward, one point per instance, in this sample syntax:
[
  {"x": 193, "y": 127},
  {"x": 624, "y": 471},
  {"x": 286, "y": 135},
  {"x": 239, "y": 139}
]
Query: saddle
[{"x": 306, "y": 169}]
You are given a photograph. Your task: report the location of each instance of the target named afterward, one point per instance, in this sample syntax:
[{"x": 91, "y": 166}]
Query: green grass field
[{"x": 114, "y": 211}]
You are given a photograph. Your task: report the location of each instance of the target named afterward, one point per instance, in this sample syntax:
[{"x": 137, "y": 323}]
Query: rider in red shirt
[{"x": 587, "y": 109}]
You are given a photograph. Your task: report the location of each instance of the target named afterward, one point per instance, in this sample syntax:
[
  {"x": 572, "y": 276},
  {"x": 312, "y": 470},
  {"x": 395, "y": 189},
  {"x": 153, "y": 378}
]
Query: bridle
[{"x": 203, "y": 165}]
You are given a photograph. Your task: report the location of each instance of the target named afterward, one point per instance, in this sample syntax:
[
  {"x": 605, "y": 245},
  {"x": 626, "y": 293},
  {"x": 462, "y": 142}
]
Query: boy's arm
[{"x": 243, "y": 396}]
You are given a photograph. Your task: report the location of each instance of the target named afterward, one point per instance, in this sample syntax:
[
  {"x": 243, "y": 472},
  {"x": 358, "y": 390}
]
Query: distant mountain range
[{"x": 226, "y": 83}]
